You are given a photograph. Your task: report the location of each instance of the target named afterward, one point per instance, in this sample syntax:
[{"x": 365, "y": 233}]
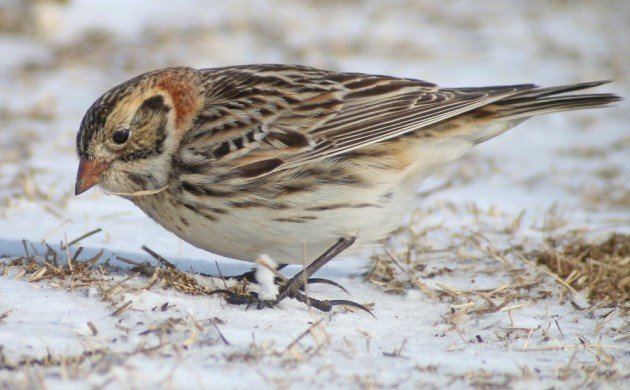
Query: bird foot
[
  {"x": 252, "y": 299},
  {"x": 294, "y": 287}
]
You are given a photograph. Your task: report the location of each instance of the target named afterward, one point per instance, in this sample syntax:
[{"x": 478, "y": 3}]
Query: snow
[
  {"x": 73, "y": 51},
  {"x": 265, "y": 277}
]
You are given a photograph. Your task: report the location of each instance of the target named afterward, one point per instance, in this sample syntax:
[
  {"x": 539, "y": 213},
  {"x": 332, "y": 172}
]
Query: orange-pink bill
[{"x": 89, "y": 174}]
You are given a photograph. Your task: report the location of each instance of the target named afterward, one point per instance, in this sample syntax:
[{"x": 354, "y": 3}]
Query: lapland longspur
[{"x": 286, "y": 160}]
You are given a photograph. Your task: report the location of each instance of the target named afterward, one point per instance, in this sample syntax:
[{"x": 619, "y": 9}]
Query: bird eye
[{"x": 120, "y": 136}]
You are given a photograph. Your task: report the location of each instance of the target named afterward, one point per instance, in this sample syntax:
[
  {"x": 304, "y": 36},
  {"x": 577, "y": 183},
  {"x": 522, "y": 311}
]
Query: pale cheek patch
[{"x": 268, "y": 290}]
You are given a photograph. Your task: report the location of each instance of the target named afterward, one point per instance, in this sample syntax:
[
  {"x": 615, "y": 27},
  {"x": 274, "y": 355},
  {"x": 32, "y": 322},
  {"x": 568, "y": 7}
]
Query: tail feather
[
  {"x": 543, "y": 100},
  {"x": 542, "y": 92}
]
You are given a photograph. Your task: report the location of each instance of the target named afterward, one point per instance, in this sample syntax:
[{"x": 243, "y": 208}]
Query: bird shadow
[{"x": 10, "y": 249}]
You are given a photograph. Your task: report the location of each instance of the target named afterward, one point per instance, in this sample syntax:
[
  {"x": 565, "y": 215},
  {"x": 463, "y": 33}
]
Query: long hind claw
[
  {"x": 327, "y": 305},
  {"x": 336, "y": 302},
  {"x": 326, "y": 281}
]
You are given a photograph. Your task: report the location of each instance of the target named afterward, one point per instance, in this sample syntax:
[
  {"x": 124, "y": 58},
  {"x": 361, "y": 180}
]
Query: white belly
[{"x": 285, "y": 235}]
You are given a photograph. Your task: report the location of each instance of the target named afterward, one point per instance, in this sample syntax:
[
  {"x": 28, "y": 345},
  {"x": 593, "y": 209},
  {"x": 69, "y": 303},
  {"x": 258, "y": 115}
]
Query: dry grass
[
  {"x": 567, "y": 267},
  {"x": 600, "y": 269},
  {"x": 606, "y": 197},
  {"x": 592, "y": 275},
  {"x": 81, "y": 272},
  {"x": 72, "y": 274}
]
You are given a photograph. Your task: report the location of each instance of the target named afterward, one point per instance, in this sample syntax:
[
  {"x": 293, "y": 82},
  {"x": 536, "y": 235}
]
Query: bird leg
[{"x": 297, "y": 282}]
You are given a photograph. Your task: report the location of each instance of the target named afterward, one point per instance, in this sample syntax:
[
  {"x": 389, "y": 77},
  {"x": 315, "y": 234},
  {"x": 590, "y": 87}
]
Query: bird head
[{"x": 128, "y": 136}]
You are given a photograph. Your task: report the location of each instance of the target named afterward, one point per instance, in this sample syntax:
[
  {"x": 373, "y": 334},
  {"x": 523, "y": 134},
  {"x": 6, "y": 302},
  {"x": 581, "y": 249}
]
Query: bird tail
[{"x": 547, "y": 100}]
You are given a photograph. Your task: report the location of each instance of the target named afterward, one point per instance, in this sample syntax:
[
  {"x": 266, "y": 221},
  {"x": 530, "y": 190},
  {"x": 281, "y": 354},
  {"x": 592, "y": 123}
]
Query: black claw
[
  {"x": 327, "y": 305},
  {"x": 337, "y": 302},
  {"x": 326, "y": 281}
]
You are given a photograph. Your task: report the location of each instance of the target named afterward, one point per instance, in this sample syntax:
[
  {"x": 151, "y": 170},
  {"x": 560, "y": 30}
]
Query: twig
[
  {"x": 529, "y": 334},
  {"x": 221, "y": 274},
  {"x": 220, "y": 334},
  {"x": 77, "y": 253},
  {"x": 157, "y": 257},
  {"x": 92, "y": 328},
  {"x": 145, "y": 268},
  {"x": 301, "y": 336},
  {"x": 122, "y": 308},
  {"x": 423, "y": 287},
  {"x": 25, "y": 247},
  {"x": 398, "y": 352},
  {"x": 86, "y": 235},
  {"x": 559, "y": 330}
]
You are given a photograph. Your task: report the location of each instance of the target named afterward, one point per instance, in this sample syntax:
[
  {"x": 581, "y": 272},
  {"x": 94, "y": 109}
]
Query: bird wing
[{"x": 265, "y": 118}]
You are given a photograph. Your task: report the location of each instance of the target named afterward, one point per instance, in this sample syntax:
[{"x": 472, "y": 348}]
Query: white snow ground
[{"x": 566, "y": 171}]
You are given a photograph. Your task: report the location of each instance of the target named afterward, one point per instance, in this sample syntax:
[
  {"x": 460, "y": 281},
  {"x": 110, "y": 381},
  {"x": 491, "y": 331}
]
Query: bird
[{"x": 291, "y": 161}]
